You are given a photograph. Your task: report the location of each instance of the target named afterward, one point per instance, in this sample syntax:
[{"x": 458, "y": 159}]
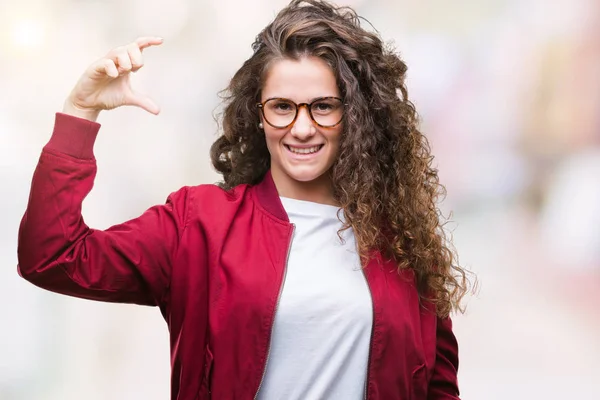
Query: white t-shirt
[{"x": 322, "y": 329}]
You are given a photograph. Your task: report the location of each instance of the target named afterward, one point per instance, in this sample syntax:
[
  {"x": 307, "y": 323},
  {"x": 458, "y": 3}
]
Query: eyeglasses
[{"x": 326, "y": 112}]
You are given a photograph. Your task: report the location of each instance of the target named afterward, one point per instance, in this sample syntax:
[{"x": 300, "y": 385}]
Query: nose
[{"x": 304, "y": 126}]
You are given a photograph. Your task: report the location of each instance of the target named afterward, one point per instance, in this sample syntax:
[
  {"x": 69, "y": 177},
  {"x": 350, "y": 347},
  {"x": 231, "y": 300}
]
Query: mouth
[{"x": 304, "y": 151}]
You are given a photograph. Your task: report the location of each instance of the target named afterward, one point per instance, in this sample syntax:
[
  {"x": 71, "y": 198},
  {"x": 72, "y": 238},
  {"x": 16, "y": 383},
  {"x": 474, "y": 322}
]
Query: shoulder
[
  {"x": 212, "y": 193},
  {"x": 209, "y": 198}
]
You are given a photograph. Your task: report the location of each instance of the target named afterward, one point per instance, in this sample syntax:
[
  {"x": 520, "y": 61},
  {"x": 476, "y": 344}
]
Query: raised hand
[{"x": 106, "y": 85}]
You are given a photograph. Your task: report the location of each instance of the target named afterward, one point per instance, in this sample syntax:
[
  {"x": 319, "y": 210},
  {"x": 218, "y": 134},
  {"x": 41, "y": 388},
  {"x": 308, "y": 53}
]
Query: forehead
[{"x": 299, "y": 80}]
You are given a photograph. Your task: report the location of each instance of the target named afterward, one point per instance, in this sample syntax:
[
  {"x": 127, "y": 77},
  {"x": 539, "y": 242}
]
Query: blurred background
[{"x": 509, "y": 95}]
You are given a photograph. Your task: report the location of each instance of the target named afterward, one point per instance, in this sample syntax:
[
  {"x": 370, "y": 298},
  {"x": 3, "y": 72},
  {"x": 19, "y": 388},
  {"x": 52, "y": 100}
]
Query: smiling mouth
[{"x": 304, "y": 150}]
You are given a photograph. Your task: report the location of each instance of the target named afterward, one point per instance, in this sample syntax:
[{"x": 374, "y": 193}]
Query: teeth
[{"x": 304, "y": 150}]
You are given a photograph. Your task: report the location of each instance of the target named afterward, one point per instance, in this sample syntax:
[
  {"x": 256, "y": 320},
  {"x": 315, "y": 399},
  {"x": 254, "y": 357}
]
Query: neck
[{"x": 319, "y": 190}]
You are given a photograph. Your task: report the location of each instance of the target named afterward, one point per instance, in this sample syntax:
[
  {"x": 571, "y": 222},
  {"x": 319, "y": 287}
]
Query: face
[{"x": 302, "y": 153}]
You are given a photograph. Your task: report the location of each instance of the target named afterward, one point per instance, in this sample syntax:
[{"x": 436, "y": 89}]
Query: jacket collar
[{"x": 268, "y": 196}]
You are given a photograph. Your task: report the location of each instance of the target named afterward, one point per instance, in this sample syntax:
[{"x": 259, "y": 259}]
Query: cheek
[
  {"x": 272, "y": 137},
  {"x": 334, "y": 137}
]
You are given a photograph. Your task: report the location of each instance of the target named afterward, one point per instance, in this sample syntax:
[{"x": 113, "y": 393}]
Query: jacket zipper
[
  {"x": 370, "y": 337},
  {"x": 287, "y": 258}
]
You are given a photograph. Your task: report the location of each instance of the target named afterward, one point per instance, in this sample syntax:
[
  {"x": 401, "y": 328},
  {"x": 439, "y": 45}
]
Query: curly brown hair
[{"x": 383, "y": 177}]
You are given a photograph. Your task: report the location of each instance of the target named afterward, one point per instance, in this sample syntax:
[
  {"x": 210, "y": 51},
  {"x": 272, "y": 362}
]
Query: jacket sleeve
[
  {"x": 127, "y": 263},
  {"x": 444, "y": 384}
]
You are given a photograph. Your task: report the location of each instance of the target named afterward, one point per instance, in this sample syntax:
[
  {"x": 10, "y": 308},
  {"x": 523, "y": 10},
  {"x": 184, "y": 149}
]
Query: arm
[
  {"x": 129, "y": 262},
  {"x": 443, "y": 384}
]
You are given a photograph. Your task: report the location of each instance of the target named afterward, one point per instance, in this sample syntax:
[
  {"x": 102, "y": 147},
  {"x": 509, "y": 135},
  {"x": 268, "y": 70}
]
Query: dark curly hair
[{"x": 383, "y": 177}]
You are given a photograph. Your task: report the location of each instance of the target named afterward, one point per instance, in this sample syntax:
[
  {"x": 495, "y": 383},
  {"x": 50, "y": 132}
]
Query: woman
[{"x": 317, "y": 269}]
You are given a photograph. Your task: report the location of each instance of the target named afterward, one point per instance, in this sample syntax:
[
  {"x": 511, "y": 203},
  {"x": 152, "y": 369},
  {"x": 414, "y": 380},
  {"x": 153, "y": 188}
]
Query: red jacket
[{"x": 213, "y": 262}]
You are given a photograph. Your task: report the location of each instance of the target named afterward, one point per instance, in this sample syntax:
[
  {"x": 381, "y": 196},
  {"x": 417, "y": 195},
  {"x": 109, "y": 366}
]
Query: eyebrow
[{"x": 309, "y": 101}]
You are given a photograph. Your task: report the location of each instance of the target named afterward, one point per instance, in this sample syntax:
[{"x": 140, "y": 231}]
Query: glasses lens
[
  {"x": 327, "y": 112},
  {"x": 279, "y": 112}
]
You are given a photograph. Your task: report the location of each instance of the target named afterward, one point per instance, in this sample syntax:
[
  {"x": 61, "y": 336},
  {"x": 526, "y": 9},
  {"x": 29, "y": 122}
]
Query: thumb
[{"x": 144, "y": 102}]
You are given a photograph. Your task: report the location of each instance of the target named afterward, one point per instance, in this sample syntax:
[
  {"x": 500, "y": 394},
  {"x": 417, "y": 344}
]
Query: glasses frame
[{"x": 308, "y": 106}]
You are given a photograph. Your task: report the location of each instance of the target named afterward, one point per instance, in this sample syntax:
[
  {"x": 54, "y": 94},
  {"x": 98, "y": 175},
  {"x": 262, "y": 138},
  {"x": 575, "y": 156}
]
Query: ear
[{"x": 261, "y": 123}]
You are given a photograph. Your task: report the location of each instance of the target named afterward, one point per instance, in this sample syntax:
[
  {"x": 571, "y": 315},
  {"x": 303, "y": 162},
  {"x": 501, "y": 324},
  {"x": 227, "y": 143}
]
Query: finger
[
  {"x": 144, "y": 102},
  {"x": 122, "y": 60},
  {"x": 148, "y": 41},
  {"x": 135, "y": 56},
  {"x": 107, "y": 67}
]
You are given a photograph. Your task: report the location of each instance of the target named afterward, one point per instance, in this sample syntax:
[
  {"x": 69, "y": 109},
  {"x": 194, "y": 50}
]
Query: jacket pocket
[
  {"x": 418, "y": 390},
  {"x": 204, "y": 393}
]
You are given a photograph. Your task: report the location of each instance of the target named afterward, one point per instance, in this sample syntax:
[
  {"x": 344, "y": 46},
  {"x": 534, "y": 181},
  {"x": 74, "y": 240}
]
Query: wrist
[{"x": 70, "y": 108}]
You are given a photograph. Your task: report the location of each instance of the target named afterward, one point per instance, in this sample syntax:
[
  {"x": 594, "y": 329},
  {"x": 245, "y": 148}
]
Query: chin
[{"x": 306, "y": 175}]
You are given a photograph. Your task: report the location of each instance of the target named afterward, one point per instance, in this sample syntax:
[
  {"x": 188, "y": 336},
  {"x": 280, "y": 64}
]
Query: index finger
[{"x": 148, "y": 41}]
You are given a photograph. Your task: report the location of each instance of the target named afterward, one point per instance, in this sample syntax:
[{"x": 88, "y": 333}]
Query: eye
[
  {"x": 323, "y": 107},
  {"x": 283, "y": 106},
  {"x": 280, "y": 106}
]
